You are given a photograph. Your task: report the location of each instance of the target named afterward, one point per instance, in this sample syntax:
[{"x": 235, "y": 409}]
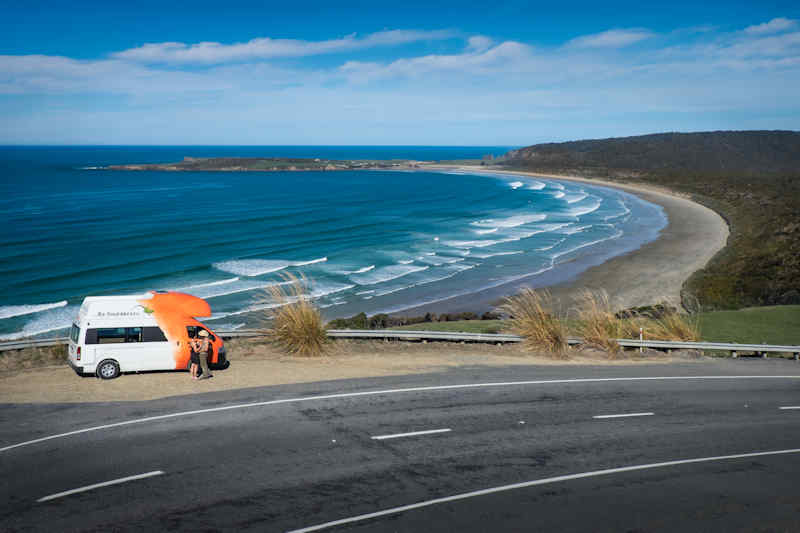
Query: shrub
[
  {"x": 297, "y": 325},
  {"x": 533, "y": 319}
]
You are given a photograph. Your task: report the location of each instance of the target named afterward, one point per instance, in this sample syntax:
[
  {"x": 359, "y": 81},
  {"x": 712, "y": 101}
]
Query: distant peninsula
[{"x": 268, "y": 164}]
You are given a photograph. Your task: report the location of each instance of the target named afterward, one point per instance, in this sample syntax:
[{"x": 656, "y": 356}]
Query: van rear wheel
[{"x": 108, "y": 369}]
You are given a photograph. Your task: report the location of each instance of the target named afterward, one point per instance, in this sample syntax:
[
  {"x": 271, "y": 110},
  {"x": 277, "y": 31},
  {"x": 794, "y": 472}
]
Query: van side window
[
  {"x": 75, "y": 333},
  {"x": 133, "y": 335},
  {"x": 153, "y": 334},
  {"x": 110, "y": 335},
  {"x": 121, "y": 335}
]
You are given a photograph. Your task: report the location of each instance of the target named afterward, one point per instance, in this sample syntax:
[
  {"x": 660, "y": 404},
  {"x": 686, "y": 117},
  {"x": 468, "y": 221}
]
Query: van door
[{"x": 159, "y": 352}]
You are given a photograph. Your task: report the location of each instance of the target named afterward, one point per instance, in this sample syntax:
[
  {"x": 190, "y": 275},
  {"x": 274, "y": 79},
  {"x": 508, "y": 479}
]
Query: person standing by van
[
  {"x": 194, "y": 345},
  {"x": 203, "y": 348}
]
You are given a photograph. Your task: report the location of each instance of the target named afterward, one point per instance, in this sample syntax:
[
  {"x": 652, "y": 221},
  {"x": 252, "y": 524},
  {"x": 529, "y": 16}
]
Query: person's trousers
[{"x": 204, "y": 365}]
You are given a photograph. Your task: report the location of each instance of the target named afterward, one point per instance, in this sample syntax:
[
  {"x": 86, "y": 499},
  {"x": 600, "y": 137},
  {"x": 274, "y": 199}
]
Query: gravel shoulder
[{"x": 257, "y": 364}]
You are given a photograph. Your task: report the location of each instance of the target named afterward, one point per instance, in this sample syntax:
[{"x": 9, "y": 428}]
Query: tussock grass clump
[
  {"x": 598, "y": 324},
  {"x": 296, "y": 324},
  {"x": 674, "y": 327},
  {"x": 533, "y": 319}
]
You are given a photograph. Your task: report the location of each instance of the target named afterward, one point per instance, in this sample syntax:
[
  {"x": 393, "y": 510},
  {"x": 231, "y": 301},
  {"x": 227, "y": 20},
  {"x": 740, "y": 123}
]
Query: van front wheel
[{"x": 108, "y": 369}]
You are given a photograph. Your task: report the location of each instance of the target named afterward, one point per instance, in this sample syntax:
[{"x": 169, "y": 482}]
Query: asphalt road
[{"x": 285, "y": 458}]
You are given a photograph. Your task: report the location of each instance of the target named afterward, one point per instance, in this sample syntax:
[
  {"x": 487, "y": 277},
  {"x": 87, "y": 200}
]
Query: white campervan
[{"x": 115, "y": 334}]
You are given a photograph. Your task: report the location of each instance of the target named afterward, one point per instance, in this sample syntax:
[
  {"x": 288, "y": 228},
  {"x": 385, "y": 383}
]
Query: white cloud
[
  {"x": 775, "y": 25},
  {"x": 479, "y": 43},
  {"x": 232, "y": 95},
  {"x": 267, "y": 48},
  {"x": 479, "y": 58},
  {"x": 610, "y": 38}
]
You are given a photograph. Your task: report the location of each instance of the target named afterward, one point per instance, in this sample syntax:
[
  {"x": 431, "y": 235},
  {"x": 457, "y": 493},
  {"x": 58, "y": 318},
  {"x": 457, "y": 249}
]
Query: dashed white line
[
  {"x": 545, "y": 481},
  {"x": 790, "y": 407},
  {"x": 625, "y": 415},
  {"x": 99, "y": 485},
  {"x": 412, "y": 434},
  {"x": 375, "y": 393}
]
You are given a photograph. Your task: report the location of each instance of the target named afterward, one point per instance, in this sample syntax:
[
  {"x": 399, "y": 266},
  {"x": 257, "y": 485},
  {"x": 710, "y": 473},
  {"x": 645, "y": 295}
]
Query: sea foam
[
  {"x": 386, "y": 273},
  {"x": 259, "y": 267},
  {"x": 584, "y": 209},
  {"x": 8, "y": 311},
  {"x": 510, "y": 222},
  {"x": 53, "y": 319}
]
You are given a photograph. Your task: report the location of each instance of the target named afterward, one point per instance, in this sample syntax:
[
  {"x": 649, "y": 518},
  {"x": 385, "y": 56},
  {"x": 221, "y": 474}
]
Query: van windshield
[{"x": 74, "y": 333}]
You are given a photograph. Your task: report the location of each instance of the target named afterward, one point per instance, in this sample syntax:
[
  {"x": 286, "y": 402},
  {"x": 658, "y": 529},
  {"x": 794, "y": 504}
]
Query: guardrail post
[
  {"x": 734, "y": 354},
  {"x": 797, "y": 356}
]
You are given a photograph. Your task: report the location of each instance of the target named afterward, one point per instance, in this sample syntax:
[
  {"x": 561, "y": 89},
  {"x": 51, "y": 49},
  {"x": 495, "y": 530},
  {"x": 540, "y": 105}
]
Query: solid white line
[
  {"x": 790, "y": 407},
  {"x": 533, "y": 483},
  {"x": 412, "y": 434},
  {"x": 624, "y": 416},
  {"x": 373, "y": 393},
  {"x": 98, "y": 485}
]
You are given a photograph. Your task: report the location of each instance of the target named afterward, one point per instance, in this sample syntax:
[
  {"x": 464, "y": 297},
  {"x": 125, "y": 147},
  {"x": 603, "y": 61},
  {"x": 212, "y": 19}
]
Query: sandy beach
[{"x": 651, "y": 274}]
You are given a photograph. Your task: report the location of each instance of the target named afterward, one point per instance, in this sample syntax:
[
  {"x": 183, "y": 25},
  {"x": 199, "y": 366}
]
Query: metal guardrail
[
  {"x": 19, "y": 345},
  {"x": 448, "y": 336}
]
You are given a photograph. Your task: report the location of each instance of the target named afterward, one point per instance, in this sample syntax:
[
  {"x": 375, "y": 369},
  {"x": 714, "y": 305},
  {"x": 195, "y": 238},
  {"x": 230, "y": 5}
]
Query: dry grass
[
  {"x": 15, "y": 360},
  {"x": 673, "y": 327},
  {"x": 598, "y": 324},
  {"x": 296, "y": 326},
  {"x": 533, "y": 318}
]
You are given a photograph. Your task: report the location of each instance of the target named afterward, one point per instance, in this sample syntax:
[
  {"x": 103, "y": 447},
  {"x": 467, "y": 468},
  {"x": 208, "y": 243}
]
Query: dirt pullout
[{"x": 256, "y": 364}]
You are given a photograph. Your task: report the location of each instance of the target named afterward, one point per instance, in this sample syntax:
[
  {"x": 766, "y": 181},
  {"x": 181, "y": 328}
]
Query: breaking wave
[
  {"x": 8, "y": 311},
  {"x": 259, "y": 267}
]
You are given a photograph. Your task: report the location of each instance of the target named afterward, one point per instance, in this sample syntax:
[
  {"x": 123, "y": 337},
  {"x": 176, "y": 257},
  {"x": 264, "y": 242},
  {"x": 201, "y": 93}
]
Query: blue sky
[{"x": 438, "y": 73}]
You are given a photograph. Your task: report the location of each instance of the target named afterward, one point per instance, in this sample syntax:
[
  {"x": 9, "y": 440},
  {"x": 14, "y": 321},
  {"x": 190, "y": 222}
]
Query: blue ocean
[{"x": 371, "y": 241}]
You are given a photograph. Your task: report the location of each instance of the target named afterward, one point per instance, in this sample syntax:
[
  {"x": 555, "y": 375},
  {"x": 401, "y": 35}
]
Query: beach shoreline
[{"x": 653, "y": 273}]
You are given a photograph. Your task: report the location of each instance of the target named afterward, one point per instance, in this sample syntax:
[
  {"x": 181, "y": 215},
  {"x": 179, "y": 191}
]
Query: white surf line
[
  {"x": 99, "y": 485},
  {"x": 373, "y": 393},
  {"x": 790, "y": 407},
  {"x": 545, "y": 481},
  {"x": 412, "y": 434},
  {"x": 623, "y": 415}
]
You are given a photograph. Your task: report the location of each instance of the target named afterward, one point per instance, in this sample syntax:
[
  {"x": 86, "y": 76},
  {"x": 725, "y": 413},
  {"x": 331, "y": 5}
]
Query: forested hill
[
  {"x": 752, "y": 178},
  {"x": 752, "y": 152}
]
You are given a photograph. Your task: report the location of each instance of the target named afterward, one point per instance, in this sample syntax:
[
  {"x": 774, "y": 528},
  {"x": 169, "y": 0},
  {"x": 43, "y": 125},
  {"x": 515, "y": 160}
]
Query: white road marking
[
  {"x": 545, "y": 481},
  {"x": 412, "y": 434},
  {"x": 624, "y": 415},
  {"x": 98, "y": 485},
  {"x": 790, "y": 407},
  {"x": 373, "y": 393}
]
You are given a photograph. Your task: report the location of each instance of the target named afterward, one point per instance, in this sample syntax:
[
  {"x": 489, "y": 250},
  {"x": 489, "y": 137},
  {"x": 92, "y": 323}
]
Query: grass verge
[{"x": 754, "y": 325}]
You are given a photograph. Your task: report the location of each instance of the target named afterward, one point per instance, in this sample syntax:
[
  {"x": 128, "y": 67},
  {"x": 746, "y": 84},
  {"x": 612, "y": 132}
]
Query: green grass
[
  {"x": 465, "y": 326},
  {"x": 754, "y": 325}
]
